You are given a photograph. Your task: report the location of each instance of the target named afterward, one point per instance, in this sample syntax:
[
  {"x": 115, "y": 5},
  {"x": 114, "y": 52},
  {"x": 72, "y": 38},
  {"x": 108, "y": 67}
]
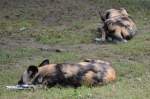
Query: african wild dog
[
  {"x": 89, "y": 72},
  {"x": 117, "y": 25}
]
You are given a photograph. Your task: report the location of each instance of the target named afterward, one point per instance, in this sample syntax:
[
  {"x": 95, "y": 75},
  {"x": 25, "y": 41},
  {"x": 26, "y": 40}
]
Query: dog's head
[{"x": 30, "y": 73}]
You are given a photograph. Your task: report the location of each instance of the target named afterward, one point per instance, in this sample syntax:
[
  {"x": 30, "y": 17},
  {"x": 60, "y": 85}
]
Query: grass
[
  {"x": 132, "y": 82},
  {"x": 65, "y": 37},
  {"x": 75, "y": 33},
  {"x": 7, "y": 56}
]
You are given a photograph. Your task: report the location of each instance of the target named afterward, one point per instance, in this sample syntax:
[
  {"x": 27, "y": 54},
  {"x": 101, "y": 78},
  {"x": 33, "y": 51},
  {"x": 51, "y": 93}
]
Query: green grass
[
  {"x": 76, "y": 36},
  {"x": 64, "y": 37},
  {"x": 132, "y": 74},
  {"x": 7, "y": 56}
]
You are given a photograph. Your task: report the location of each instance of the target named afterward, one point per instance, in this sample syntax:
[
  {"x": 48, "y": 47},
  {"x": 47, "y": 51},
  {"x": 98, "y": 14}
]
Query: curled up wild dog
[
  {"x": 117, "y": 25},
  {"x": 88, "y": 72}
]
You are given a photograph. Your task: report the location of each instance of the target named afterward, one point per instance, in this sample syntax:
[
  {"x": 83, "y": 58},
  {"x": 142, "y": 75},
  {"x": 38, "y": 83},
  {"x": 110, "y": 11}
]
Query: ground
[{"x": 31, "y": 31}]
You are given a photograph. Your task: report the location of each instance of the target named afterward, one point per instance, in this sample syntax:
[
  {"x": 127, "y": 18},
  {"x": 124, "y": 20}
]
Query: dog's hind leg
[{"x": 118, "y": 36}]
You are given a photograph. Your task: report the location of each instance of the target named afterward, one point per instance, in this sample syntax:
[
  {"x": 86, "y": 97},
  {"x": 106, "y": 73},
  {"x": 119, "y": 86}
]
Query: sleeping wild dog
[
  {"x": 117, "y": 25},
  {"x": 88, "y": 72}
]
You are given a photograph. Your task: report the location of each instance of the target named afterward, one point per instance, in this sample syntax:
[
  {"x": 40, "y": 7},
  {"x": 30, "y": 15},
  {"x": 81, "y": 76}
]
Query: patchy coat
[
  {"x": 117, "y": 25},
  {"x": 89, "y": 72}
]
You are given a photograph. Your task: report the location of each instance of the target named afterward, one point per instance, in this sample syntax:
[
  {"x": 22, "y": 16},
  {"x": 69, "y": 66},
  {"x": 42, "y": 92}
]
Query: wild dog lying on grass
[
  {"x": 89, "y": 72},
  {"x": 117, "y": 25}
]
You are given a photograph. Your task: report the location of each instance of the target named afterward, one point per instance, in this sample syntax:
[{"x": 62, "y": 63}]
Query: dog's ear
[
  {"x": 32, "y": 70},
  {"x": 124, "y": 12},
  {"x": 45, "y": 62}
]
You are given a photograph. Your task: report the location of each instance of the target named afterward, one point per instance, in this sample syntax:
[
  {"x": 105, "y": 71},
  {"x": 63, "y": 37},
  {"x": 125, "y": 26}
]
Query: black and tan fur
[
  {"x": 118, "y": 25},
  {"x": 113, "y": 13},
  {"x": 89, "y": 72}
]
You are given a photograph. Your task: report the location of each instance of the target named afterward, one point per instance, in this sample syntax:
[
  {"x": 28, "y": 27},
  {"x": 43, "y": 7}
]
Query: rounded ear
[
  {"x": 45, "y": 62},
  {"x": 32, "y": 70},
  {"x": 124, "y": 11}
]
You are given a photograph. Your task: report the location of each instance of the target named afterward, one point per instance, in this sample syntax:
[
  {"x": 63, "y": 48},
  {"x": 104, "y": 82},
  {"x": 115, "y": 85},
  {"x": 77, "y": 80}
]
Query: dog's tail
[{"x": 110, "y": 75}]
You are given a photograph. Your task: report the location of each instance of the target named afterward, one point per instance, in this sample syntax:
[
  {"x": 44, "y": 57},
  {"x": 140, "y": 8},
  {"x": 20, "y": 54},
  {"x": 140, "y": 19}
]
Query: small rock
[
  {"x": 98, "y": 39},
  {"x": 23, "y": 28}
]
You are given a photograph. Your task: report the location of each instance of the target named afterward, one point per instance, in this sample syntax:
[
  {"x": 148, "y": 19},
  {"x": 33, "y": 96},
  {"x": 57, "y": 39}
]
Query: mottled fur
[
  {"x": 117, "y": 25},
  {"x": 89, "y": 72},
  {"x": 113, "y": 13}
]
